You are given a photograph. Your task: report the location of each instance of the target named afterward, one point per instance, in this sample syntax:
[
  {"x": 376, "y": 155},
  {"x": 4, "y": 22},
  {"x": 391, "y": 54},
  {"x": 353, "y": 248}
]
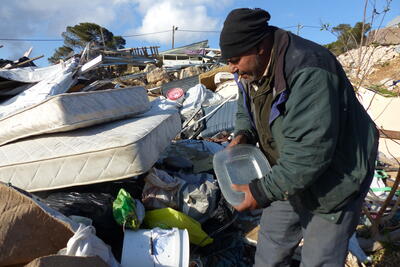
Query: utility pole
[
  {"x": 173, "y": 34},
  {"x": 299, "y": 26}
]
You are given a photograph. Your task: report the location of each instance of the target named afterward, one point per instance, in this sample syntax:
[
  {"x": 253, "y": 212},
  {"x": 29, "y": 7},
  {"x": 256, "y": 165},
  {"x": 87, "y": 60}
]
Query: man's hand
[
  {"x": 239, "y": 139},
  {"x": 249, "y": 203}
]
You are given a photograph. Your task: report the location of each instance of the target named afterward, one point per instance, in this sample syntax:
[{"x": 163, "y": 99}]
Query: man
[{"x": 297, "y": 103}]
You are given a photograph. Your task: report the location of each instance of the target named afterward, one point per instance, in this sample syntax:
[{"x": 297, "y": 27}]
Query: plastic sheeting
[
  {"x": 56, "y": 84},
  {"x": 194, "y": 195},
  {"x": 32, "y": 74},
  {"x": 86, "y": 243},
  {"x": 196, "y": 97}
]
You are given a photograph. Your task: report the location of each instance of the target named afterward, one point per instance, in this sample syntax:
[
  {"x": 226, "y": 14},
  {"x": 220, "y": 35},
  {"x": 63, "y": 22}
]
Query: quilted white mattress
[
  {"x": 67, "y": 112},
  {"x": 106, "y": 152}
]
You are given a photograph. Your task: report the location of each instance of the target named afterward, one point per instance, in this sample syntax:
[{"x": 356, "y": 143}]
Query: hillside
[{"x": 375, "y": 67}]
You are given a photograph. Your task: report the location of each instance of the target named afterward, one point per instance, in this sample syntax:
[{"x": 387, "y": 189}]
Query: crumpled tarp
[
  {"x": 196, "y": 196},
  {"x": 199, "y": 152},
  {"x": 55, "y": 84},
  {"x": 31, "y": 74},
  {"x": 196, "y": 97},
  {"x": 85, "y": 243}
]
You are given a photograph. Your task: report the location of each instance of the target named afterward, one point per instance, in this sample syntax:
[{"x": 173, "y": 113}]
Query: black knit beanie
[{"x": 244, "y": 28}]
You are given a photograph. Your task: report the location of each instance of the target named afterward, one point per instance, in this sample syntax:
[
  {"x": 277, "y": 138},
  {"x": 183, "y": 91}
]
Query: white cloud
[
  {"x": 49, "y": 18},
  {"x": 186, "y": 15}
]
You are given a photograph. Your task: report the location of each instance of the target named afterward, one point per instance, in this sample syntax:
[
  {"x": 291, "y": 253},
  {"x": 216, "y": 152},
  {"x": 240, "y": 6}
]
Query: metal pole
[
  {"x": 299, "y": 26},
  {"x": 173, "y": 35}
]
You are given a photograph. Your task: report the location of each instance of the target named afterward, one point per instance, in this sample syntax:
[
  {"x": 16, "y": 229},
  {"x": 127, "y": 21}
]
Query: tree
[
  {"x": 76, "y": 38},
  {"x": 60, "y": 53},
  {"x": 348, "y": 37}
]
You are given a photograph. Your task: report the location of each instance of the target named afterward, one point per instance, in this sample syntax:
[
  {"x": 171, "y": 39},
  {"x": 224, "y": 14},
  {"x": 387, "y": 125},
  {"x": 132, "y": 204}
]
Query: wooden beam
[
  {"x": 24, "y": 62},
  {"x": 389, "y": 134}
]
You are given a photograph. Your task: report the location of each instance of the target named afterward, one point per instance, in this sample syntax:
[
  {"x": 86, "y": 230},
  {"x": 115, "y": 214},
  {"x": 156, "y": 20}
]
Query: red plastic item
[{"x": 175, "y": 93}]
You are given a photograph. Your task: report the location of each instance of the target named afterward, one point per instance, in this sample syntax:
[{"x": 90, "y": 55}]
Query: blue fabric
[
  {"x": 278, "y": 106},
  {"x": 276, "y": 109},
  {"x": 240, "y": 85}
]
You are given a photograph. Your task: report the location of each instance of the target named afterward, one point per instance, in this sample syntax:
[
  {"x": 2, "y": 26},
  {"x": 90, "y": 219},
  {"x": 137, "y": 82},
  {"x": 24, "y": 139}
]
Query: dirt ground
[{"x": 390, "y": 69}]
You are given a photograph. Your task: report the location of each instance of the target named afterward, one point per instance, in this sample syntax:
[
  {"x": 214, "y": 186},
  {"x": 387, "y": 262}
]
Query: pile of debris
[
  {"x": 106, "y": 160},
  {"x": 95, "y": 169}
]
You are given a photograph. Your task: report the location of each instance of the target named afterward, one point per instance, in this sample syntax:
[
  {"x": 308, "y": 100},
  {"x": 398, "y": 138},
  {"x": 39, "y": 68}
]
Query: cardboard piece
[{"x": 26, "y": 230}]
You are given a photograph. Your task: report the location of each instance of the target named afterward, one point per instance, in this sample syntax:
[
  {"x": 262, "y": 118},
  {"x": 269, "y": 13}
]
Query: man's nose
[{"x": 232, "y": 68}]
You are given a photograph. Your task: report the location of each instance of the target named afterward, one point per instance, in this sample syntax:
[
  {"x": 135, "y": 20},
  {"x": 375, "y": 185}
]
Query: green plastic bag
[
  {"x": 168, "y": 218},
  {"x": 124, "y": 210}
]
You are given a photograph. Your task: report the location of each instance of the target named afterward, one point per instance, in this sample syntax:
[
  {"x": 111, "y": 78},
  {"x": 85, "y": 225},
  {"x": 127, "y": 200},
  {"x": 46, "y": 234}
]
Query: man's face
[{"x": 249, "y": 66}]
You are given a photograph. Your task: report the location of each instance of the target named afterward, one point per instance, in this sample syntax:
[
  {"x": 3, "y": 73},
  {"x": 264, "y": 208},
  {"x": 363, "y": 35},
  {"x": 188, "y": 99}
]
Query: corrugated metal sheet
[{"x": 222, "y": 120}]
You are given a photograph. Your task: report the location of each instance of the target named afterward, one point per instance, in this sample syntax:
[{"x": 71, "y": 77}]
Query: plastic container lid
[
  {"x": 239, "y": 164},
  {"x": 175, "y": 93}
]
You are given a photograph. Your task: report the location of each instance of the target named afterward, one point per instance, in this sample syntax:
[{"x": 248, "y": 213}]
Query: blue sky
[{"x": 47, "y": 19}]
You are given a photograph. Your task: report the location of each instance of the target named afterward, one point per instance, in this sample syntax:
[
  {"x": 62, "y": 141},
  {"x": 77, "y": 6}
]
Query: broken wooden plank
[
  {"x": 23, "y": 62},
  {"x": 389, "y": 134}
]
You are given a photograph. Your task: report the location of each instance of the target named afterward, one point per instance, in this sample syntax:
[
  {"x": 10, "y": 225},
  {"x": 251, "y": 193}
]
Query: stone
[
  {"x": 132, "y": 69},
  {"x": 190, "y": 71},
  {"x": 149, "y": 68},
  {"x": 157, "y": 75}
]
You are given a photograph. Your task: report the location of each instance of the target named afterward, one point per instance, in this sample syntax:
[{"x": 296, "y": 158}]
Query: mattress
[
  {"x": 66, "y": 112},
  {"x": 106, "y": 152}
]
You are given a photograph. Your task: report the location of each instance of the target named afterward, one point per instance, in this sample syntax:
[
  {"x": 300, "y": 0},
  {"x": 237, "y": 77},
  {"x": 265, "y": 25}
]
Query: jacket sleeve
[
  {"x": 310, "y": 130},
  {"x": 243, "y": 121}
]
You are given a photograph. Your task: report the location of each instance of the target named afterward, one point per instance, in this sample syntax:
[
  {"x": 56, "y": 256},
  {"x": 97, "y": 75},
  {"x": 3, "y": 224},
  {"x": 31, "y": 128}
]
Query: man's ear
[{"x": 260, "y": 49}]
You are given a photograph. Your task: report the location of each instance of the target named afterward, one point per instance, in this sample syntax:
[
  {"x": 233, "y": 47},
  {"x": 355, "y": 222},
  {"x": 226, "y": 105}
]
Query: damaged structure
[{"x": 109, "y": 153}]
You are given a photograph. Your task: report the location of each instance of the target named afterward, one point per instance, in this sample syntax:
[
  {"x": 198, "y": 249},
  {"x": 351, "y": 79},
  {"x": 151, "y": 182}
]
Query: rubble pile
[{"x": 107, "y": 160}]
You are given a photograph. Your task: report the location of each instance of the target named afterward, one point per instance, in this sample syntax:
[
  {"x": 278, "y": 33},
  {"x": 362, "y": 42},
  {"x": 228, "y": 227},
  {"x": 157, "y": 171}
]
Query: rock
[
  {"x": 190, "y": 71},
  {"x": 386, "y": 82},
  {"x": 133, "y": 82},
  {"x": 132, "y": 69},
  {"x": 370, "y": 56},
  {"x": 159, "y": 83},
  {"x": 157, "y": 75},
  {"x": 139, "y": 83},
  {"x": 149, "y": 68}
]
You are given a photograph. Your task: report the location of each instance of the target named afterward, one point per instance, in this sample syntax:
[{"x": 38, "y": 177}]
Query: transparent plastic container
[{"x": 239, "y": 164}]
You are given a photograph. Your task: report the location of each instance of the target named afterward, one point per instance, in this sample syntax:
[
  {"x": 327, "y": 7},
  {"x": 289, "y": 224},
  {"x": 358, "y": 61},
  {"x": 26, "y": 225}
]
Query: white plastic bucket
[{"x": 156, "y": 248}]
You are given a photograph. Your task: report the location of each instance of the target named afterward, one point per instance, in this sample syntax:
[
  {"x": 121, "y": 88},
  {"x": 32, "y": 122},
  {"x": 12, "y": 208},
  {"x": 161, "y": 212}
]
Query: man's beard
[{"x": 251, "y": 77}]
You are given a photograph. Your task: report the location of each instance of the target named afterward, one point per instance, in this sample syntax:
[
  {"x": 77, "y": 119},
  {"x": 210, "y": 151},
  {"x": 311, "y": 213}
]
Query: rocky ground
[{"x": 375, "y": 67}]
